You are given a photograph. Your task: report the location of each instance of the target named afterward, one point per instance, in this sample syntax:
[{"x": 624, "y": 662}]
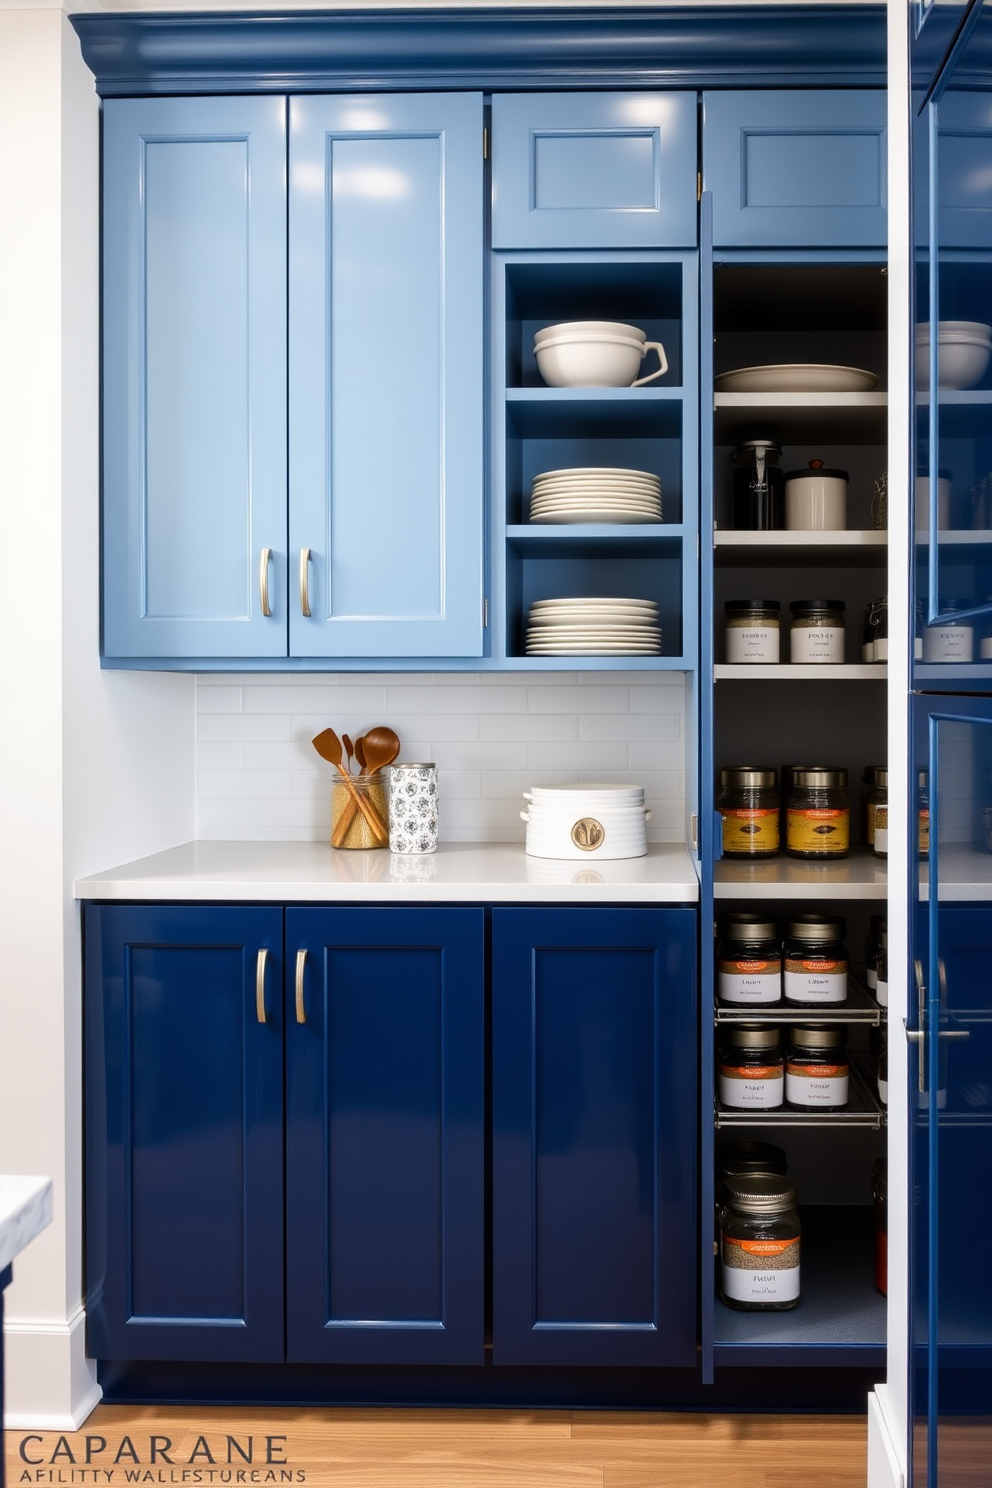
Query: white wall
[
  {"x": 491, "y": 736},
  {"x": 94, "y": 767}
]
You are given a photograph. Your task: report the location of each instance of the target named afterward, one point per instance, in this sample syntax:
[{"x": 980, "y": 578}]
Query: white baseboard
[
  {"x": 884, "y": 1469},
  {"x": 50, "y": 1384}
]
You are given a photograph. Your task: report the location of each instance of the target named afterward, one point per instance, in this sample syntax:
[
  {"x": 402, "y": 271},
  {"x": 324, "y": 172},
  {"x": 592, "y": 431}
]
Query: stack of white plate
[
  {"x": 963, "y": 351},
  {"x": 591, "y": 494},
  {"x": 593, "y": 627},
  {"x": 586, "y": 821}
]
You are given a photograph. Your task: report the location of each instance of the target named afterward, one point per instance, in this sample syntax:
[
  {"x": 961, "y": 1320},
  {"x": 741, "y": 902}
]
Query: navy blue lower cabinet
[
  {"x": 385, "y": 1135},
  {"x": 184, "y": 1095},
  {"x": 594, "y": 1136}
]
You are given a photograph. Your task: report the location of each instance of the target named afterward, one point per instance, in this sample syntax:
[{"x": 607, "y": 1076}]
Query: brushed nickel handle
[
  {"x": 914, "y": 1035},
  {"x": 263, "y": 580},
  {"x": 305, "y": 581},
  {"x": 301, "y": 966},
  {"x": 260, "y": 964},
  {"x": 955, "y": 1033}
]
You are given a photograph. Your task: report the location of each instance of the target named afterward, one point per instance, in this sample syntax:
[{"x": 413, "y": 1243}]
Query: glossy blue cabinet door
[
  {"x": 796, "y": 169},
  {"x": 384, "y": 1148},
  {"x": 594, "y": 1136},
  {"x": 194, "y": 354},
  {"x": 386, "y": 434},
  {"x": 594, "y": 170},
  {"x": 184, "y": 1093}
]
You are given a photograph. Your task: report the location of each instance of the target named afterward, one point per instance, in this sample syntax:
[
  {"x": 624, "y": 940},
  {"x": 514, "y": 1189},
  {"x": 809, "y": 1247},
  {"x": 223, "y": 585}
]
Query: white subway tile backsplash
[{"x": 492, "y": 735}]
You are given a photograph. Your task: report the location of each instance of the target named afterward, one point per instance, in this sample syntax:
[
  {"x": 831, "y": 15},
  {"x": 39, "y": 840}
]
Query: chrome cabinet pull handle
[
  {"x": 263, "y": 581},
  {"x": 301, "y": 966},
  {"x": 305, "y": 582},
  {"x": 260, "y": 964}
]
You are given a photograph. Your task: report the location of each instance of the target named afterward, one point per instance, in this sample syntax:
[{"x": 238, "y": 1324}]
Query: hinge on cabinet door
[
  {"x": 485, "y": 144},
  {"x": 699, "y": 186},
  {"x": 694, "y": 830},
  {"x": 485, "y": 614}
]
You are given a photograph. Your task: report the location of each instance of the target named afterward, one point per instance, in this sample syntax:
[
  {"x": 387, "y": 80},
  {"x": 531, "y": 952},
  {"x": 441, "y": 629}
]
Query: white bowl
[
  {"x": 578, "y": 329},
  {"x": 960, "y": 364},
  {"x": 589, "y": 363},
  {"x": 954, "y": 327}
]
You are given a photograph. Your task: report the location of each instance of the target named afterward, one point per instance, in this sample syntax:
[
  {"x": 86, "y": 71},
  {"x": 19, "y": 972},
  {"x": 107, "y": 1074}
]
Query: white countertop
[
  {"x": 312, "y": 872},
  {"x": 25, "y": 1210}
]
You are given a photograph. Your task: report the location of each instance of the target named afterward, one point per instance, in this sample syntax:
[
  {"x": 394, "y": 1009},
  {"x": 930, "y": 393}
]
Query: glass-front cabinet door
[
  {"x": 949, "y": 1026},
  {"x": 953, "y": 367}
]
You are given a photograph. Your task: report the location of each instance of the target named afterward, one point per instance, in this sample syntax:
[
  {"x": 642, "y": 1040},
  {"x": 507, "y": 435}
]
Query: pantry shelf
[
  {"x": 841, "y": 1316},
  {"x": 562, "y": 540},
  {"x": 860, "y": 1007},
  {"x": 860, "y": 876},
  {"x": 861, "y": 1110},
  {"x": 785, "y": 671},
  {"x": 847, "y": 549},
  {"x": 801, "y": 418}
]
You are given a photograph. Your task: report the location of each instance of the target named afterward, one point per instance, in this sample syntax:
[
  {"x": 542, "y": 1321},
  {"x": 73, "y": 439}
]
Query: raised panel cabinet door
[
  {"x": 594, "y": 170},
  {"x": 385, "y": 1135},
  {"x": 194, "y": 381},
  {"x": 386, "y": 363},
  {"x": 796, "y": 169},
  {"x": 594, "y": 1136},
  {"x": 184, "y": 1129}
]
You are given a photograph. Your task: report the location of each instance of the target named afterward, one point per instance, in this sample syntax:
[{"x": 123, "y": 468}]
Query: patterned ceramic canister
[{"x": 413, "y": 808}]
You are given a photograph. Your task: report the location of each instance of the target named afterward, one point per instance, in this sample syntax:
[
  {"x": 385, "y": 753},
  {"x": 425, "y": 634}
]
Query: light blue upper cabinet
[
  {"x": 386, "y": 396},
  {"x": 796, "y": 169},
  {"x": 594, "y": 170},
  {"x": 194, "y": 347}
]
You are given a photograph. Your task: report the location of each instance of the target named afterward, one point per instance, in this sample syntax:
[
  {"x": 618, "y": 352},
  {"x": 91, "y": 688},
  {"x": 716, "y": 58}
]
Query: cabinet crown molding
[{"x": 829, "y": 45}]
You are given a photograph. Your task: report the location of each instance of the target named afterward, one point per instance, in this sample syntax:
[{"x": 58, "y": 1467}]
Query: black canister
[{"x": 758, "y": 500}]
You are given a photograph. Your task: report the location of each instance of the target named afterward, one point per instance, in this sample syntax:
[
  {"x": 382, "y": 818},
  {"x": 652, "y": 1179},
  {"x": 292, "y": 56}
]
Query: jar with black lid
[
  {"x": 748, "y": 802},
  {"x": 751, "y": 631},
  {"x": 817, "y": 1069},
  {"x": 818, "y": 816},
  {"x": 815, "y": 960},
  {"x": 876, "y": 778},
  {"x": 816, "y": 631},
  {"x": 759, "y": 1243},
  {"x": 757, "y": 503},
  {"x": 748, "y": 961},
  {"x": 875, "y": 924},
  {"x": 750, "y": 1068}
]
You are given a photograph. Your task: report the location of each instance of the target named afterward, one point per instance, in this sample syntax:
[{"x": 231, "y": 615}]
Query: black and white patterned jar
[{"x": 413, "y": 808}]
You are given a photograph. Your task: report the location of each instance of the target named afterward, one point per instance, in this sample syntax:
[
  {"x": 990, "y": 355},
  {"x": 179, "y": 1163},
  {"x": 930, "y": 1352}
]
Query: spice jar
[
  {"x": 815, "y": 960},
  {"x": 816, "y": 630},
  {"x": 749, "y": 1068},
  {"x": 759, "y": 1243},
  {"x": 818, "y": 817},
  {"x": 751, "y": 630},
  {"x": 749, "y": 805},
  {"x": 816, "y": 499},
  {"x": 817, "y": 1069},
  {"x": 748, "y": 961},
  {"x": 757, "y": 503},
  {"x": 871, "y": 950},
  {"x": 949, "y": 639},
  {"x": 876, "y": 777},
  {"x": 881, "y": 987},
  {"x": 923, "y": 813}
]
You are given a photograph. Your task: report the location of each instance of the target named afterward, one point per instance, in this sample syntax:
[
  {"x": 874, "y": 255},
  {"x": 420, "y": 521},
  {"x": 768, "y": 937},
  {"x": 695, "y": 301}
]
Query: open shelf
[
  {"x": 860, "y": 1007},
  {"x": 562, "y": 539},
  {"x": 859, "y": 876},
  {"x": 841, "y": 1316},
  {"x": 801, "y": 418},
  {"x": 862, "y": 1109},
  {"x": 786, "y": 671}
]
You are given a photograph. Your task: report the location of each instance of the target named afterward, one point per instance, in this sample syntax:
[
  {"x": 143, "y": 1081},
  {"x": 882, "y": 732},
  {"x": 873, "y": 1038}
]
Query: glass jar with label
[
  {"x": 814, "y": 960},
  {"x": 759, "y": 1243},
  {"x": 871, "y": 950},
  {"x": 923, "y": 813},
  {"x": 877, "y": 810},
  {"x": 881, "y": 987},
  {"x": 817, "y": 1069},
  {"x": 748, "y": 961},
  {"x": 868, "y": 631},
  {"x": 949, "y": 638},
  {"x": 816, "y": 631},
  {"x": 751, "y": 631},
  {"x": 750, "y": 1065},
  {"x": 818, "y": 815},
  {"x": 748, "y": 803}
]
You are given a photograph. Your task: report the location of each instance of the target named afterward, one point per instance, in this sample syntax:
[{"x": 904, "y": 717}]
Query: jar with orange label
[
  {"x": 759, "y": 1243},
  {"x": 750, "y": 1068},
  {"x": 814, "y": 959},
  {"x": 818, "y": 815},
  {"x": 817, "y": 1069},
  {"x": 748, "y": 803},
  {"x": 748, "y": 961}
]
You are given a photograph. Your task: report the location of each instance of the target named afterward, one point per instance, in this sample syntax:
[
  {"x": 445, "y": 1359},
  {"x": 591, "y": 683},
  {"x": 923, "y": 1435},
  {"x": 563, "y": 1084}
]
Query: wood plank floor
[{"x": 372, "y": 1448}]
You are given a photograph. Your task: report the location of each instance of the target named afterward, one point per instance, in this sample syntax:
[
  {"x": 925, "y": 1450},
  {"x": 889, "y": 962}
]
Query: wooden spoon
[
  {"x": 379, "y": 747},
  {"x": 328, "y": 746},
  {"x": 349, "y": 749},
  {"x": 360, "y": 752}
]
